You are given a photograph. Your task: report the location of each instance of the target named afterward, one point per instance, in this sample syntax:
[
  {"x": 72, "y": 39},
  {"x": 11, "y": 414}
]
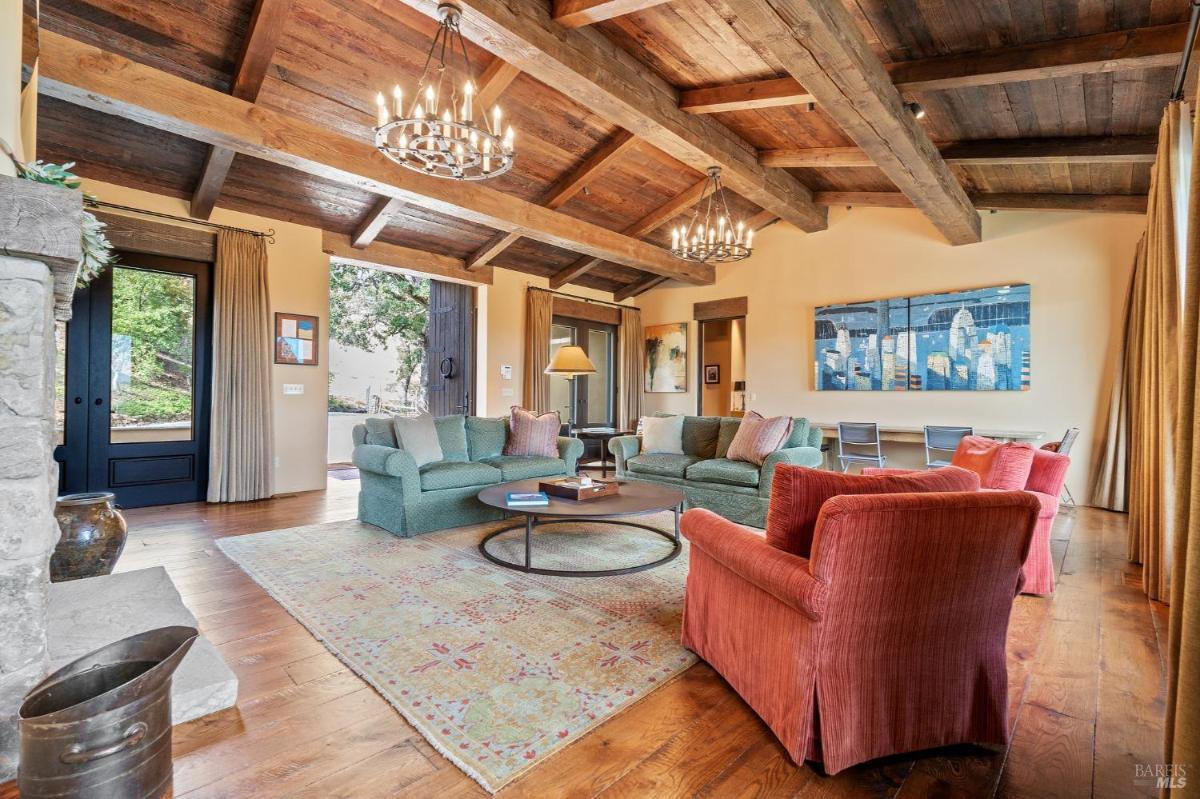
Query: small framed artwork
[
  {"x": 712, "y": 373},
  {"x": 296, "y": 340}
]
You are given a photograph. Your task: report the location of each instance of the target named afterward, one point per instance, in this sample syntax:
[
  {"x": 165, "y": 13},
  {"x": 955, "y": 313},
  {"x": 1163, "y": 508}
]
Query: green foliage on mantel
[{"x": 98, "y": 253}]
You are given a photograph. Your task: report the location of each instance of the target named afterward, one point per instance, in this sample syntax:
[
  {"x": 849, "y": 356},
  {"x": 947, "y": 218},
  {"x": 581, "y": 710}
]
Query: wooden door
[{"x": 449, "y": 348}]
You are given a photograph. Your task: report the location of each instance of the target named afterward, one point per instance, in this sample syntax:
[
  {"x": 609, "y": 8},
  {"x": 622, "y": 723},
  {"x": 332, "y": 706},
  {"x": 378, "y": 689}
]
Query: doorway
[
  {"x": 587, "y": 400},
  {"x": 722, "y": 367},
  {"x": 133, "y": 394}
]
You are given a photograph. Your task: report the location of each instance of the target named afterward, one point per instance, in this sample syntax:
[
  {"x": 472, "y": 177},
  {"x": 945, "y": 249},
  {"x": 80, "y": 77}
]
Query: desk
[
  {"x": 916, "y": 435},
  {"x": 603, "y": 435}
]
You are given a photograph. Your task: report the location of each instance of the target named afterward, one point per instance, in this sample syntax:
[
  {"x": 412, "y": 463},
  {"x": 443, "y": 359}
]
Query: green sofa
[
  {"x": 737, "y": 490},
  {"x": 406, "y": 500}
]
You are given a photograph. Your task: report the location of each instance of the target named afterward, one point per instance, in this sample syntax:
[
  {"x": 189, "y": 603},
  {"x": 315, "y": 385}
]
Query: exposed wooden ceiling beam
[
  {"x": 375, "y": 221},
  {"x": 84, "y": 75},
  {"x": 405, "y": 259},
  {"x": 577, "y": 13},
  {"x": 567, "y": 187},
  {"x": 639, "y": 287},
  {"x": 989, "y": 152},
  {"x": 1119, "y": 51},
  {"x": 1110, "y": 203},
  {"x": 836, "y": 64},
  {"x": 647, "y": 224},
  {"x": 745, "y": 96},
  {"x": 266, "y": 26},
  {"x": 492, "y": 83},
  {"x": 585, "y": 66}
]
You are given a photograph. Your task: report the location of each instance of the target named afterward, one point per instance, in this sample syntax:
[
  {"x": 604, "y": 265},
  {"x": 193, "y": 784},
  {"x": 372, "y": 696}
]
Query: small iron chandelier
[
  {"x": 712, "y": 236},
  {"x": 439, "y": 133}
]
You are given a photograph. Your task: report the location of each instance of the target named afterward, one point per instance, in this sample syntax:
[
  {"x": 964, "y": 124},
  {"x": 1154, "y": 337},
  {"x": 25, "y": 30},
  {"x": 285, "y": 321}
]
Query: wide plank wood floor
[{"x": 1086, "y": 673}]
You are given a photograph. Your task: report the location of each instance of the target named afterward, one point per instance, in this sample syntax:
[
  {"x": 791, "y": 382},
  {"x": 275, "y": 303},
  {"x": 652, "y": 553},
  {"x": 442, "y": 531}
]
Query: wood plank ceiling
[{"x": 1025, "y": 104}]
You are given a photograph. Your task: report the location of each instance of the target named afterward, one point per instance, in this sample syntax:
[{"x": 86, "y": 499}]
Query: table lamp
[{"x": 571, "y": 362}]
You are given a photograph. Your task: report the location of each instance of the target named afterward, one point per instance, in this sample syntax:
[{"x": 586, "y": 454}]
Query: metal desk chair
[
  {"x": 940, "y": 440},
  {"x": 858, "y": 442},
  {"x": 1063, "y": 447}
]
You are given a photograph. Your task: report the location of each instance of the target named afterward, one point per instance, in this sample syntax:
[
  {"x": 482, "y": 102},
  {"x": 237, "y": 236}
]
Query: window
[{"x": 588, "y": 400}]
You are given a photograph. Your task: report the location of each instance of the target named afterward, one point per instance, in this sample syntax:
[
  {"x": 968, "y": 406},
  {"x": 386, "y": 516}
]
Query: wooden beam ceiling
[
  {"x": 375, "y": 221},
  {"x": 640, "y": 287},
  {"x": 266, "y": 26},
  {"x": 1118, "y": 51},
  {"x": 1110, "y": 203},
  {"x": 407, "y": 259},
  {"x": 87, "y": 76},
  {"x": 837, "y": 65},
  {"x": 647, "y": 224},
  {"x": 989, "y": 152},
  {"x": 494, "y": 80},
  {"x": 567, "y": 187},
  {"x": 588, "y": 68},
  {"x": 577, "y": 13}
]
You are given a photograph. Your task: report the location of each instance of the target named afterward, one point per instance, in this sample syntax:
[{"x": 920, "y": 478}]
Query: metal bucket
[{"x": 100, "y": 727}]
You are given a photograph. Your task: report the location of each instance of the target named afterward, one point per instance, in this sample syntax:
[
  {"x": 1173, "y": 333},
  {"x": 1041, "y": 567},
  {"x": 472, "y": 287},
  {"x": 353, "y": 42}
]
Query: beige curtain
[
  {"x": 631, "y": 365},
  {"x": 539, "y": 310},
  {"x": 1182, "y": 739},
  {"x": 1111, "y": 486},
  {"x": 1153, "y": 349},
  {"x": 240, "y": 455}
]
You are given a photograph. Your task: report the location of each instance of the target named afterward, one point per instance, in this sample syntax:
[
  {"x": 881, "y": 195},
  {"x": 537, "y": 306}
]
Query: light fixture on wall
[
  {"x": 441, "y": 132},
  {"x": 712, "y": 235},
  {"x": 916, "y": 109}
]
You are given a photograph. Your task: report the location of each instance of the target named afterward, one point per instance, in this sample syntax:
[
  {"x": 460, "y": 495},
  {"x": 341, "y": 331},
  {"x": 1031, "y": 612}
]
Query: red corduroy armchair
[
  {"x": 890, "y": 639},
  {"x": 1047, "y": 472}
]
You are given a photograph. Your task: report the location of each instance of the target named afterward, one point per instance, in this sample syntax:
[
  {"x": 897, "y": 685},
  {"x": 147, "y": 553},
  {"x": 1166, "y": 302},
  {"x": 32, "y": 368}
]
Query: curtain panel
[
  {"x": 1110, "y": 488},
  {"x": 1182, "y": 728},
  {"x": 539, "y": 311},
  {"x": 1152, "y": 349},
  {"x": 631, "y": 365},
  {"x": 240, "y": 448}
]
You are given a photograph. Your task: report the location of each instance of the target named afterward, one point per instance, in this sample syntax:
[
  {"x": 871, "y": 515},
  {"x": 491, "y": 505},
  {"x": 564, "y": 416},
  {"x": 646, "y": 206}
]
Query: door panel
[
  {"x": 449, "y": 348},
  {"x": 586, "y": 400},
  {"x": 137, "y": 383}
]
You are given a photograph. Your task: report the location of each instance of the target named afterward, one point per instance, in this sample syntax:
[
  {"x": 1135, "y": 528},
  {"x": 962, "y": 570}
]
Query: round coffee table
[{"x": 634, "y": 499}]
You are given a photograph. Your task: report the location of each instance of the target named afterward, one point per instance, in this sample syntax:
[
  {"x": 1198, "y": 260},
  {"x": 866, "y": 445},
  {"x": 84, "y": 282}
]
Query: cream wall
[
  {"x": 11, "y": 26},
  {"x": 1078, "y": 266},
  {"x": 298, "y": 280}
]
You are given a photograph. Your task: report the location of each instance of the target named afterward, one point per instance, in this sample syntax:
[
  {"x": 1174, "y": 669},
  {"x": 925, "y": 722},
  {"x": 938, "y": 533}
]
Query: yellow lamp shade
[{"x": 570, "y": 361}]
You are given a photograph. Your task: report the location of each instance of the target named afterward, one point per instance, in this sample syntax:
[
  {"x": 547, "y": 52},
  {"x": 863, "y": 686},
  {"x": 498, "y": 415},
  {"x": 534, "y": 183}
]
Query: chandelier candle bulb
[
  {"x": 381, "y": 113},
  {"x": 397, "y": 101}
]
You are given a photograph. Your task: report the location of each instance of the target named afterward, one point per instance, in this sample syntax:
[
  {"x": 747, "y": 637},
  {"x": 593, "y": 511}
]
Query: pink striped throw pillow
[
  {"x": 532, "y": 435},
  {"x": 757, "y": 437}
]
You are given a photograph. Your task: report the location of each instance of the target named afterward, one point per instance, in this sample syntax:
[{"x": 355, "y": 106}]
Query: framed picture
[
  {"x": 296, "y": 339},
  {"x": 712, "y": 373},
  {"x": 666, "y": 358}
]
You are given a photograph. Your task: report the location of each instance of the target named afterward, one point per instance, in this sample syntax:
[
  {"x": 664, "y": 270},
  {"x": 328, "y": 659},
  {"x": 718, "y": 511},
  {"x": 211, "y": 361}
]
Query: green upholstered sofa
[
  {"x": 737, "y": 490},
  {"x": 406, "y": 500}
]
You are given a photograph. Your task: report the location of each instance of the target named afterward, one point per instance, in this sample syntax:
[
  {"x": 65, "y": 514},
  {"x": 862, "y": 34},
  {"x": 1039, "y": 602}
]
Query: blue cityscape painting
[{"x": 976, "y": 340}]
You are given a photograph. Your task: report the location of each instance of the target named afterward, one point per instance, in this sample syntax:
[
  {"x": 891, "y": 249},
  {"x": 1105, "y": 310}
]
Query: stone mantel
[{"x": 44, "y": 223}]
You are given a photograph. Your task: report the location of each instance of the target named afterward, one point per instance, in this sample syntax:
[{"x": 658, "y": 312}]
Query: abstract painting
[
  {"x": 974, "y": 340},
  {"x": 666, "y": 358},
  {"x": 296, "y": 339}
]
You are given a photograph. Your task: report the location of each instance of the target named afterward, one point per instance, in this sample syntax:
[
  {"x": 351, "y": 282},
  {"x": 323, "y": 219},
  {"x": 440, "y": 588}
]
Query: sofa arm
[
  {"x": 623, "y": 448},
  {"x": 570, "y": 450},
  {"x": 795, "y": 456},
  {"x": 390, "y": 462},
  {"x": 781, "y": 574},
  {"x": 880, "y": 471}
]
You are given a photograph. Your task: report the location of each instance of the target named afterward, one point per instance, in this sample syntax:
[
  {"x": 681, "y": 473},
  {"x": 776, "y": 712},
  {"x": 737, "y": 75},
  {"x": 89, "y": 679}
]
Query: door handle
[
  {"x": 79, "y": 400},
  {"x": 98, "y": 401},
  {"x": 446, "y": 368}
]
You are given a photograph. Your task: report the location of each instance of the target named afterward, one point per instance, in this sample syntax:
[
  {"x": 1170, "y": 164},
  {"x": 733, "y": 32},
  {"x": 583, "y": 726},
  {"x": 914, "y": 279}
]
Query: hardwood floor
[{"x": 1086, "y": 672}]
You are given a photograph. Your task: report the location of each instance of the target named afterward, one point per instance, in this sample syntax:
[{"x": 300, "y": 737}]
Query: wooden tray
[{"x": 563, "y": 488}]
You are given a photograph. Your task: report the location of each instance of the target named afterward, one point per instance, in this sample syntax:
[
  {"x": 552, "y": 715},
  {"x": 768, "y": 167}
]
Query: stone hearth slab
[{"x": 87, "y": 614}]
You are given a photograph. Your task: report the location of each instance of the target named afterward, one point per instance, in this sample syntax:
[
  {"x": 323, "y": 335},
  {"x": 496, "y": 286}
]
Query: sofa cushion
[
  {"x": 661, "y": 465},
  {"x": 723, "y": 470},
  {"x": 799, "y": 436},
  {"x": 700, "y": 434},
  {"x": 380, "y": 431},
  {"x": 523, "y": 467},
  {"x": 758, "y": 437},
  {"x": 532, "y": 435},
  {"x": 452, "y": 435},
  {"x": 485, "y": 437},
  {"x": 1004, "y": 467},
  {"x": 662, "y": 435},
  {"x": 728, "y": 429},
  {"x": 457, "y": 474},
  {"x": 418, "y": 436},
  {"x": 797, "y": 494}
]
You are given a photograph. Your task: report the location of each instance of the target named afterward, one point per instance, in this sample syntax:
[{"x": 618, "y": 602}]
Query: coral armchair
[{"x": 890, "y": 639}]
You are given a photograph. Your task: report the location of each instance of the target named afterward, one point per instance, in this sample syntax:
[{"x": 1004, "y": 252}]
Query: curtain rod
[
  {"x": 1188, "y": 43},
  {"x": 581, "y": 299},
  {"x": 269, "y": 235}
]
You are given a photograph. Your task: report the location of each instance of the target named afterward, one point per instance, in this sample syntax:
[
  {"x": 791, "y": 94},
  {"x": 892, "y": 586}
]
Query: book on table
[{"x": 518, "y": 499}]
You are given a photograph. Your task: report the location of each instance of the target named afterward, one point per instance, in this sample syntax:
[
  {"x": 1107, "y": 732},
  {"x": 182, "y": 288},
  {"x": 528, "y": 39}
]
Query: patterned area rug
[{"x": 496, "y": 668}]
